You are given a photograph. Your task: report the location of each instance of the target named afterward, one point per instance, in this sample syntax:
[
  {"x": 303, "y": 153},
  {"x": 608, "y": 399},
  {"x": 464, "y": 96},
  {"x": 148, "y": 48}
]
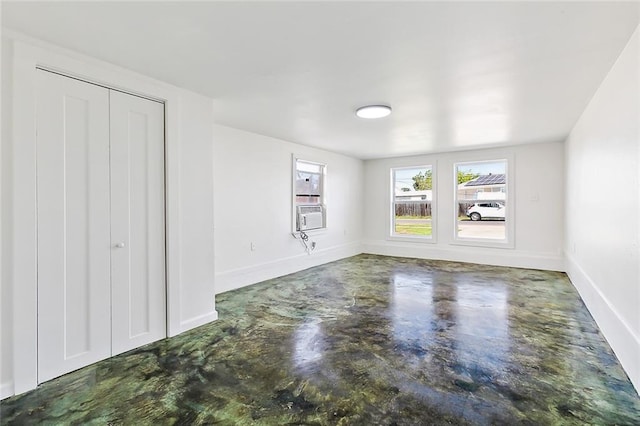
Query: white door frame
[{"x": 26, "y": 58}]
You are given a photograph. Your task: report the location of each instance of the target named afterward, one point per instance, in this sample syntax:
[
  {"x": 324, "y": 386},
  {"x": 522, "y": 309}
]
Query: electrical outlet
[{"x": 253, "y": 246}]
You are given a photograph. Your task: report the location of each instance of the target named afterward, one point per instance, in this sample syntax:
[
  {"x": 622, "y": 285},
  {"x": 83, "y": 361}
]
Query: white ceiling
[{"x": 458, "y": 75}]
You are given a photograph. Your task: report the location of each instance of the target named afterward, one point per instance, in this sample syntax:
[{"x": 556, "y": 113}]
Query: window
[
  {"x": 309, "y": 210},
  {"x": 481, "y": 203},
  {"x": 412, "y": 199}
]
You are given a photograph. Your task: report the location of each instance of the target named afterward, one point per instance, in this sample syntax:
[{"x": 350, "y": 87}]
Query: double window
[{"x": 481, "y": 206}]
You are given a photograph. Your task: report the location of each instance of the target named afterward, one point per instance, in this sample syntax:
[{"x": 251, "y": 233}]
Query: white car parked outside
[{"x": 487, "y": 210}]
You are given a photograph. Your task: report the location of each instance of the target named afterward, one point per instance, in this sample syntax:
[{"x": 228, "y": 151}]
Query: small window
[
  {"x": 309, "y": 209},
  {"x": 412, "y": 202},
  {"x": 481, "y": 202}
]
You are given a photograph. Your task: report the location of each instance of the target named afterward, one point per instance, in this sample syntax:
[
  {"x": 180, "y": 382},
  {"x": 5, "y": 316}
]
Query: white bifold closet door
[
  {"x": 100, "y": 197},
  {"x": 137, "y": 222}
]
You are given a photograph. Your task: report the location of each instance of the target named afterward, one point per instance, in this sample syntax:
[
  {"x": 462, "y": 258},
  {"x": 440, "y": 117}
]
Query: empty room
[{"x": 320, "y": 213}]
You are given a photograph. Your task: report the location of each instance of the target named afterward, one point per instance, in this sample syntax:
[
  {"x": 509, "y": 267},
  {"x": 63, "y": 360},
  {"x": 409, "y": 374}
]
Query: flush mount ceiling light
[{"x": 373, "y": 111}]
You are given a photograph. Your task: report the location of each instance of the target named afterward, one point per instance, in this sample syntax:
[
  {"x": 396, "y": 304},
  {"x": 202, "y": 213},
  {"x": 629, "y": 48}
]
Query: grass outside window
[{"x": 413, "y": 225}]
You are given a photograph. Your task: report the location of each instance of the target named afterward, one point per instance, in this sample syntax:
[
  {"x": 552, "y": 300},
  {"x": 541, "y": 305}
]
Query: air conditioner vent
[
  {"x": 309, "y": 209},
  {"x": 310, "y": 217}
]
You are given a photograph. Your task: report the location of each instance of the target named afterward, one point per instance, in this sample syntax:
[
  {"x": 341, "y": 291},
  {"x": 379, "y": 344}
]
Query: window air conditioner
[{"x": 310, "y": 217}]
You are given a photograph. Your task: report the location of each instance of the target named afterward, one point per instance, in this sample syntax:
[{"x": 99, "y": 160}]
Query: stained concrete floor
[{"x": 368, "y": 340}]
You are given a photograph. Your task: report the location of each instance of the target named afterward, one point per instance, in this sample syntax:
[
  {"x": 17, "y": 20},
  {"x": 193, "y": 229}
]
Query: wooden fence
[{"x": 413, "y": 209}]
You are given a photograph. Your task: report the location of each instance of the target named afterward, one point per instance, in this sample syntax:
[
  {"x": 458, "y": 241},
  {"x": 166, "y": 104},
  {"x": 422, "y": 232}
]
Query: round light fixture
[{"x": 373, "y": 111}]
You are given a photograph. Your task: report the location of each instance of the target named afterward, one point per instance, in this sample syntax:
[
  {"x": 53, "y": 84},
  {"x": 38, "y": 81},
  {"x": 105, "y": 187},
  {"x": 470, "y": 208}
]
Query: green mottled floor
[{"x": 368, "y": 340}]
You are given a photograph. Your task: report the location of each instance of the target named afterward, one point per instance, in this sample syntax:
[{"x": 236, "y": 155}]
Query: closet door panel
[
  {"x": 137, "y": 215},
  {"x": 74, "y": 317}
]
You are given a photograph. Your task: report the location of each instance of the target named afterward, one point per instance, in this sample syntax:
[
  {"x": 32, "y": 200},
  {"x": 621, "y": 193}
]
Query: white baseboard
[
  {"x": 486, "y": 256},
  {"x": 241, "y": 277},
  {"x": 6, "y": 390},
  {"x": 620, "y": 336}
]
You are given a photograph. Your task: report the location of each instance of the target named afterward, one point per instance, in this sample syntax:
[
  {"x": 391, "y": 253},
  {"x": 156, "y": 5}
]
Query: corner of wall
[
  {"x": 602, "y": 264},
  {"x": 254, "y": 243},
  {"x": 6, "y": 389},
  {"x": 623, "y": 341}
]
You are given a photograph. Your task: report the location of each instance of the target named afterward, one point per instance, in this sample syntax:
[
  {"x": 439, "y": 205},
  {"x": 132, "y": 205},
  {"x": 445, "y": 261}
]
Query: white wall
[
  {"x": 537, "y": 189},
  {"x": 602, "y": 215},
  {"x": 6, "y": 354},
  {"x": 197, "y": 271},
  {"x": 189, "y": 192},
  {"x": 253, "y": 204}
]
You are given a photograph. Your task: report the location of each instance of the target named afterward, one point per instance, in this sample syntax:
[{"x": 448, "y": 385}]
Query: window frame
[
  {"x": 323, "y": 194},
  {"x": 509, "y": 190},
  {"x": 391, "y": 234}
]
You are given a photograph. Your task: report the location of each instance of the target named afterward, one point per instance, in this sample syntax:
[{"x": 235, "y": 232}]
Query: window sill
[
  {"x": 310, "y": 232},
  {"x": 483, "y": 242},
  {"x": 412, "y": 239}
]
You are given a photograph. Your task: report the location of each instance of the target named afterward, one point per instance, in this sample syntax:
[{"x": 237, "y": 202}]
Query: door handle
[{"x": 120, "y": 245}]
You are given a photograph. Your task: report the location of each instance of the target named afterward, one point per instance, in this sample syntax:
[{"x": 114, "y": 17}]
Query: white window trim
[
  {"x": 323, "y": 196},
  {"x": 509, "y": 240},
  {"x": 391, "y": 210}
]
